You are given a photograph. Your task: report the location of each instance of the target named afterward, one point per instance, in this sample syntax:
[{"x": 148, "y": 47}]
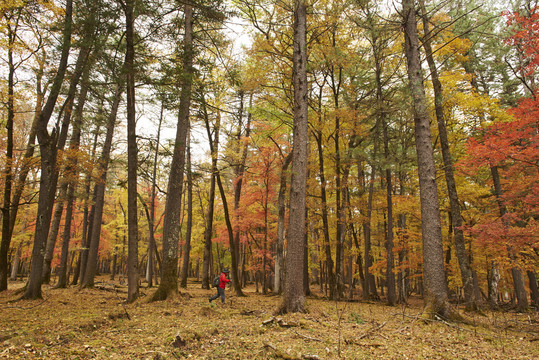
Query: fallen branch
[
  {"x": 307, "y": 337},
  {"x": 280, "y": 354},
  {"x": 25, "y": 308},
  {"x": 372, "y": 330}
]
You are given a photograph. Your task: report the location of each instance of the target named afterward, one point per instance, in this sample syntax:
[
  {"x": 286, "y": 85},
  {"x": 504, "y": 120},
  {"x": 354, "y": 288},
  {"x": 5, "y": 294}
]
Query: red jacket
[{"x": 223, "y": 280}]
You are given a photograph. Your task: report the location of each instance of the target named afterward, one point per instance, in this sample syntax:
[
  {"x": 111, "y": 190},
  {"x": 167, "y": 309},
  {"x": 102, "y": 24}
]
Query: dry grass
[{"x": 96, "y": 324}]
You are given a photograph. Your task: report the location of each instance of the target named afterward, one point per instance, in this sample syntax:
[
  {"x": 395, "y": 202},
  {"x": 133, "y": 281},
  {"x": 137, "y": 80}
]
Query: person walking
[{"x": 223, "y": 280}]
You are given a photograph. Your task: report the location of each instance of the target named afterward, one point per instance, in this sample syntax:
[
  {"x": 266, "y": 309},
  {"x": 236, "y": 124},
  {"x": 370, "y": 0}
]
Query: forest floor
[{"x": 97, "y": 324}]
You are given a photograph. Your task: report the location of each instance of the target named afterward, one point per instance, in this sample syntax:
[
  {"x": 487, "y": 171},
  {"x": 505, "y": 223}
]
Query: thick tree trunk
[
  {"x": 294, "y": 298},
  {"x": 435, "y": 285},
  {"x": 99, "y": 196},
  {"x": 47, "y": 145},
  {"x": 472, "y": 303},
  {"x": 171, "y": 222}
]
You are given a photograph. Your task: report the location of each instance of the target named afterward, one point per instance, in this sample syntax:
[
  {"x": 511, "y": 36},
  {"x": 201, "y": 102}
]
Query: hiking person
[{"x": 223, "y": 280}]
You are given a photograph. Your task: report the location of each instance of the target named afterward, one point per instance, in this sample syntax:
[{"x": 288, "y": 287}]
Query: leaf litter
[{"x": 98, "y": 324}]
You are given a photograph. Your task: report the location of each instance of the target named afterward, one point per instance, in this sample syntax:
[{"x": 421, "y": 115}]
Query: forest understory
[{"x": 96, "y": 323}]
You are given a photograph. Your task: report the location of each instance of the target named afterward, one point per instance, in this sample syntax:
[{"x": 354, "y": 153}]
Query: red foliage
[{"x": 525, "y": 36}]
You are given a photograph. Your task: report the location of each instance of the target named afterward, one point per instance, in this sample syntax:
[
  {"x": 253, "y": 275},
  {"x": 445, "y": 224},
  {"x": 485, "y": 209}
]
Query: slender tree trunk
[
  {"x": 6, "y": 209},
  {"x": 378, "y": 45},
  {"x": 99, "y": 196},
  {"x": 16, "y": 263},
  {"x": 518, "y": 281},
  {"x": 214, "y": 146},
  {"x": 47, "y": 145},
  {"x": 72, "y": 173},
  {"x": 234, "y": 261},
  {"x": 279, "y": 244},
  {"x": 330, "y": 276},
  {"x": 132, "y": 212},
  {"x": 370, "y": 286},
  {"x": 435, "y": 285},
  {"x": 187, "y": 247},
  {"x": 239, "y": 172},
  {"x": 294, "y": 298},
  {"x": 534, "y": 290},
  {"x": 171, "y": 223}
]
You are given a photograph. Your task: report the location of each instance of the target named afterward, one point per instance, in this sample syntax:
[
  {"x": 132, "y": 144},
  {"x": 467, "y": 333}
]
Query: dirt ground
[{"x": 97, "y": 324}]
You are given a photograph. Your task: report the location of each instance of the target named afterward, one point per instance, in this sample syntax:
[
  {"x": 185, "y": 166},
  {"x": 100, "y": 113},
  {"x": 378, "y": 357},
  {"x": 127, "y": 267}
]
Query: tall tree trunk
[
  {"x": 152, "y": 249},
  {"x": 294, "y": 298},
  {"x": 208, "y": 232},
  {"x": 390, "y": 275},
  {"x": 378, "y": 45},
  {"x": 471, "y": 301},
  {"x": 435, "y": 284},
  {"x": 72, "y": 173},
  {"x": 132, "y": 222},
  {"x": 187, "y": 247},
  {"x": 23, "y": 173},
  {"x": 171, "y": 222},
  {"x": 370, "y": 286},
  {"x": 6, "y": 209},
  {"x": 330, "y": 276},
  {"x": 47, "y": 145},
  {"x": 239, "y": 171},
  {"x": 94, "y": 232},
  {"x": 518, "y": 281},
  {"x": 279, "y": 243},
  {"x": 87, "y": 217},
  {"x": 82, "y": 61},
  {"x": 234, "y": 261}
]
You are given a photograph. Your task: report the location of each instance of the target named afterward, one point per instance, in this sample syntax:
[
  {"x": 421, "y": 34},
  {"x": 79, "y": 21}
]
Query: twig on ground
[
  {"x": 25, "y": 308},
  {"x": 279, "y": 353},
  {"x": 307, "y": 337},
  {"x": 372, "y": 330}
]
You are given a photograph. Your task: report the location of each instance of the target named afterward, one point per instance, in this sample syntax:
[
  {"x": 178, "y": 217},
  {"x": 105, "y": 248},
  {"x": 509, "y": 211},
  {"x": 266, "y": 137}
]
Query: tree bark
[
  {"x": 294, "y": 298},
  {"x": 81, "y": 63},
  {"x": 435, "y": 285},
  {"x": 72, "y": 173},
  {"x": 99, "y": 196},
  {"x": 279, "y": 243},
  {"x": 47, "y": 145},
  {"x": 171, "y": 222},
  {"x": 208, "y": 232},
  {"x": 472, "y": 303},
  {"x": 187, "y": 246},
  {"x": 239, "y": 172},
  {"x": 132, "y": 212},
  {"x": 518, "y": 281},
  {"x": 330, "y": 276},
  {"x": 8, "y": 176}
]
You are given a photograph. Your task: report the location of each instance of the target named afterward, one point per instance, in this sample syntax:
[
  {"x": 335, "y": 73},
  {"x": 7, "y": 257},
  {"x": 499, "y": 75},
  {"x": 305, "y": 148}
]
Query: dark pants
[{"x": 221, "y": 293}]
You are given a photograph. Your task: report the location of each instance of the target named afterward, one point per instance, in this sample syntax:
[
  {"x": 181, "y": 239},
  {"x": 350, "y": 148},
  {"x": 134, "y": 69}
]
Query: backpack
[{"x": 216, "y": 281}]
